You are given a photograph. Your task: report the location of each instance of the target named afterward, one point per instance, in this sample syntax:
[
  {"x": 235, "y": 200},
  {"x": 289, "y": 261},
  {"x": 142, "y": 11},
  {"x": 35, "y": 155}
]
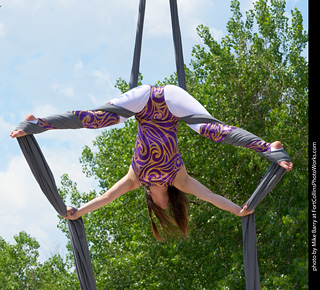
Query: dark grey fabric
[
  {"x": 176, "y": 40},
  {"x": 81, "y": 254},
  {"x": 116, "y": 110},
  {"x": 42, "y": 172},
  {"x": 66, "y": 120},
  {"x": 240, "y": 137},
  {"x": 269, "y": 181},
  {"x": 198, "y": 119},
  {"x": 45, "y": 179},
  {"x": 30, "y": 128},
  {"x": 137, "y": 48},
  {"x": 177, "y": 44},
  {"x": 276, "y": 156}
]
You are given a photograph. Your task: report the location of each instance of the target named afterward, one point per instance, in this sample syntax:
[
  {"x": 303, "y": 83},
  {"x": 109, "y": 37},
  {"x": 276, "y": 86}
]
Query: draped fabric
[
  {"x": 137, "y": 48},
  {"x": 177, "y": 44},
  {"x": 251, "y": 268},
  {"x": 176, "y": 41},
  {"x": 45, "y": 179}
]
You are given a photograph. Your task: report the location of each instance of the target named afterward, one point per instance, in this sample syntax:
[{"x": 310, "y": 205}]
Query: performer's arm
[
  {"x": 124, "y": 185},
  {"x": 187, "y": 184}
]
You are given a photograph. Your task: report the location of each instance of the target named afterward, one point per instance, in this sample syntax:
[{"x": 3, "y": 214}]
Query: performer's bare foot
[
  {"x": 285, "y": 164},
  {"x": 20, "y": 133}
]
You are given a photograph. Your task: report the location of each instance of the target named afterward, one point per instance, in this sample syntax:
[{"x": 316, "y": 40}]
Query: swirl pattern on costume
[
  {"x": 156, "y": 159},
  {"x": 45, "y": 124},
  {"x": 97, "y": 119},
  {"x": 215, "y": 132},
  {"x": 259, "y": 146}
]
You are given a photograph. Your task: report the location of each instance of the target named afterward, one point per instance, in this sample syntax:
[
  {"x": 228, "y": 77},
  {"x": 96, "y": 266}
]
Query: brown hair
[{"x": 176, "y": 221}]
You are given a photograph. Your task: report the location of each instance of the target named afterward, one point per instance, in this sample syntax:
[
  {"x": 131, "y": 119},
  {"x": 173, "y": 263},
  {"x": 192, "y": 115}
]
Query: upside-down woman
[{"x": 156, "y": 163}]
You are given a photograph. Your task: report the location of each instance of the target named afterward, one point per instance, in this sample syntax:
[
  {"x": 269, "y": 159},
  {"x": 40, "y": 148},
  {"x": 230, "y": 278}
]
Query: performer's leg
[
  {"x": 69, "y": 120},
  {"x": 133, "y": 100},
  {"x": 116, "y": 111},
  {"x": 184, "y": 106}
]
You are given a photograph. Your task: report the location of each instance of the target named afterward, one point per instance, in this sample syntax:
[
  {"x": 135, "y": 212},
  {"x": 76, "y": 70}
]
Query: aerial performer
[{"x": 156, "y": 163}]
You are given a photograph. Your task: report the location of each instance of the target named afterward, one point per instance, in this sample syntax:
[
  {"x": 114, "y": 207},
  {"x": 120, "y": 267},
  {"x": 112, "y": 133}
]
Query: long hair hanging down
[{"x": 176, "y": 221}]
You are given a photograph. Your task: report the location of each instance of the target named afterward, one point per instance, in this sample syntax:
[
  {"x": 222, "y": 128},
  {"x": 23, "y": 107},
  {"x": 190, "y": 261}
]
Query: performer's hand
[
  {"x": 72, "y": 213},
  {"x": 244, "y": 212}
]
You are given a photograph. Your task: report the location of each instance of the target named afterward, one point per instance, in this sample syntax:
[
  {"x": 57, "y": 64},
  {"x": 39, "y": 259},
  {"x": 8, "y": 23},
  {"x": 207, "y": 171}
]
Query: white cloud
[
  {"x": 157, "y": 18},
  {"x": 66, "y": 160},
  {"x": 24, "y": 207},
  {"x": 249, "y": 5},
  {"x": 94, "y": 100},
  {"x": 78, "y": 66},
  {"x": 12, "y": 182},
  {"x": 101, "y": 77},
  {"x": 191, "y": 14},
  {"x": 44, "y": 110},
  {"x": 2, "y": 30},
  {"x": 67, "y": 3},
  {"x": 5, "y": 128},
  {"x": 216, "y": 33},
  {"x": 66, "y": 90},
  {"x": 17, "y": 2}
]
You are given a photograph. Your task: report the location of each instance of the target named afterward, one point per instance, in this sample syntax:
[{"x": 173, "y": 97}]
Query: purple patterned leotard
[{"x": 156, "y": 159}]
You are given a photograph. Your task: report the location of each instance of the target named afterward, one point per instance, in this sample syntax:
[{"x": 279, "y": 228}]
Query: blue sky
[{"x": 67, "y": 54}]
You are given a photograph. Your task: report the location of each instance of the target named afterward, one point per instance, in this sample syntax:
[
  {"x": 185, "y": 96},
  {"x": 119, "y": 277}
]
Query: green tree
[
  {"x": 20, "y": 268},
  {"x": 256, "y": 79},
  {"x": 55, "y": 273},
  {"x": 18, "y": 262}
]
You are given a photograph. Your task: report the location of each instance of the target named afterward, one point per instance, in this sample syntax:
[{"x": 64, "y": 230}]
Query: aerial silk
[
  {"x": 108, "y": 115},
  {"x": 176, "y": 41},
  {"x": 269, "y": 181},
  {"x": 45, "y": 179}
]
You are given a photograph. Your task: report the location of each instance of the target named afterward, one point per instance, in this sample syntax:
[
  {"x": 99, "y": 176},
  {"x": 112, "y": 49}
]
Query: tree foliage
[{"x": 20, "y": 268}]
